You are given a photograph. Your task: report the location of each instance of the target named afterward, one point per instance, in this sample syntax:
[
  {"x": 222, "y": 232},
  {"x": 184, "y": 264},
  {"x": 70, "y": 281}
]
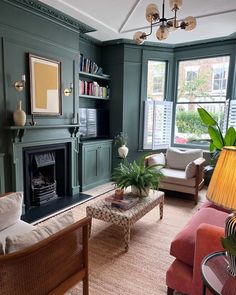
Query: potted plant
[
  {"x": 140, "y": 177},
  {"x": 217, "y": 140},
  {"x": 121, "y": 141}
]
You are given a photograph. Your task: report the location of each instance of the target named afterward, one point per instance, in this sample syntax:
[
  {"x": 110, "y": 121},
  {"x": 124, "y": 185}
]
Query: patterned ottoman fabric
[{"x": 103, "y": 210}]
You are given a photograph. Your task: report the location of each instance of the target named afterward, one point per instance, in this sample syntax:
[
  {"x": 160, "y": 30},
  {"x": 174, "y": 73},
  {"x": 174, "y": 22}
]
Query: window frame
[
  {"x": 167, "y": 56},
  {"x": 228, "y": 93}
]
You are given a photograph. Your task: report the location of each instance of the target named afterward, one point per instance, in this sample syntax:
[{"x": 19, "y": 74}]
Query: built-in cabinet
[{"x": 95, "y": 163}]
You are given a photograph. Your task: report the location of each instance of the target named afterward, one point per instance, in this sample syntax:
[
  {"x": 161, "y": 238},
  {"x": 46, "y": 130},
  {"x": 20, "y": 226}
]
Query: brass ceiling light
[{"x": 166, "y": 25}]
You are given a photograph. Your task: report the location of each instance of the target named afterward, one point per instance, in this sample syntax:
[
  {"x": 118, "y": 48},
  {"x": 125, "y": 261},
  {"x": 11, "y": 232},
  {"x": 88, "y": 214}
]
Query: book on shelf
[{"x": 126, "y": 203}]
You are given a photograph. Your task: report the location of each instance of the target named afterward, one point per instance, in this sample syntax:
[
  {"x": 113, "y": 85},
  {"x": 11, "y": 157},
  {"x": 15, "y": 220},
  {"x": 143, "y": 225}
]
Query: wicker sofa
[
  {"x": 50, "y": 266},
  {"x": 183, "y": 170}
]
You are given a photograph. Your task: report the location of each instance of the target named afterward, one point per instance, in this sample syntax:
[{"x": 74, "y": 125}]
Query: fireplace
[{"x": 46, "y": 173}]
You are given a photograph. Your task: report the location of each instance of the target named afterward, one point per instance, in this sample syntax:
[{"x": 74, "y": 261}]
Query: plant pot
[
  {"x": 123, "y": 151},
  {"x": 144, "y": 192}
]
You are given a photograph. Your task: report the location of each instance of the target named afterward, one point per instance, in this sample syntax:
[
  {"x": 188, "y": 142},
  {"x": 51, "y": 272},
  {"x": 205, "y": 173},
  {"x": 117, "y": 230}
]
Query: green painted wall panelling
[{"x": 22, "y": 33}]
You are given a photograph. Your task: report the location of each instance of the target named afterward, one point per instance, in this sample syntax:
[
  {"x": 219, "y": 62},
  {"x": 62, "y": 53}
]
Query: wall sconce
[
  {"x": 67, "y": 91},
  {"x": 20, "y": 85}
]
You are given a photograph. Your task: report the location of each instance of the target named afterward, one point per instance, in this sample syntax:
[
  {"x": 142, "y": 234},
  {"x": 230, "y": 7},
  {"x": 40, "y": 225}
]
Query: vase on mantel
[
  {"x": 19, "y": 116},
  {"x": 123, "y": 151}
]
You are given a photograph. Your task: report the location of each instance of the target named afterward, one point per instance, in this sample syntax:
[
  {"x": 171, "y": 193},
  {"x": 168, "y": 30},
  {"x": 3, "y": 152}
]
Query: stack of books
[{"x": 126, "y": 203}]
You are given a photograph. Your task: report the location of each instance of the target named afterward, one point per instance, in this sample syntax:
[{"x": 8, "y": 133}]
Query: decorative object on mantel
[
  {"x": 19, "y": 116},
  {"x": 140, "y": 177},
  {"x": 221, "y": 192},
  {"x": 121, "y": 141},
  {"x": 20, "y": 85},
  {"x": 32, "y": 122},
  {"x": 166, "y": 25}
]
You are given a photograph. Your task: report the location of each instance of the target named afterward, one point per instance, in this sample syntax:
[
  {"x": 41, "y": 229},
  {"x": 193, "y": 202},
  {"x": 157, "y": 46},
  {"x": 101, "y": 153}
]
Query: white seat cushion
[
  {"x": 10, "y": 209},
  {"x": 178, "y": 159},
  {"x": 20, "y": 227},
  {"x": 24, "y": 240},
  {"x": 177, "y": 177}
]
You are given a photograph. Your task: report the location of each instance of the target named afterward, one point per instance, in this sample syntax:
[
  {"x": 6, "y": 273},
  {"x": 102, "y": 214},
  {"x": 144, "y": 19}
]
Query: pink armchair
[{"x": 200, "y": 237}]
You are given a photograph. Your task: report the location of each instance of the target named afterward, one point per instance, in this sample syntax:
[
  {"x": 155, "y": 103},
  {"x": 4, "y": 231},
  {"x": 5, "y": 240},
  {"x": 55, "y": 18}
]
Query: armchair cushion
[
  {"x": 19, "y": 242},
  {"x": 190, "y": 170},
  {"x": 10, "y": 209},
  {"x": 177, "y": 159},
  {"x": 177, "y": 177},
  {"x": 157, "y": 159},
  {"x": 182, "y": 247}
]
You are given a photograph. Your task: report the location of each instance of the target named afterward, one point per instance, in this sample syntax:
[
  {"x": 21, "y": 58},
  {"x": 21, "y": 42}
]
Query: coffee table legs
[
  {"x": 127, "y": 236},
  {"x": 161, "y": 209}
]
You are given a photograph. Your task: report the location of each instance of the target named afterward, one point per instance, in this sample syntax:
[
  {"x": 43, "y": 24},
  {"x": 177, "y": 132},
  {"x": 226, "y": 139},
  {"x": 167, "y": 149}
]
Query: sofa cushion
[
  {"x": 19, "y": 242},
  {"x": 20, "y": 227},
  {"x": 10, "y": 209},
  {"x": 157, "y": 159},
  {"x": 177, "y": 177},
  {"x": 190, "y": 170},
  {"x": 182, "y": 247},
  {"x": 178, "y": 159}
]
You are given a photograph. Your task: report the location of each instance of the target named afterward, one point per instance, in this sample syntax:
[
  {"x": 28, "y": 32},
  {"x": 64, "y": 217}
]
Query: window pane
[
  {"x": 156, "y": 80},
  {"x": 203, "y": 80},
  {"x": 188, "y": 126}
]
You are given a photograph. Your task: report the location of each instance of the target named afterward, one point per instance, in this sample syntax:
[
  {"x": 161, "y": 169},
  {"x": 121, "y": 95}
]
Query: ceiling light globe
[
  {"x": 175, "y": 4},
  {"x": 139, "y": 37},
  {"x": 190, "y": 23},
  {"x": 152, "y": 13},
  {"x": 162, "y": 33}
]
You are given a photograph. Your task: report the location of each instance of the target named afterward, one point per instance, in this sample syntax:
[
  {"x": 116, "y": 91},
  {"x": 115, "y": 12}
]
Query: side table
[{"x": 215, "y": 275}]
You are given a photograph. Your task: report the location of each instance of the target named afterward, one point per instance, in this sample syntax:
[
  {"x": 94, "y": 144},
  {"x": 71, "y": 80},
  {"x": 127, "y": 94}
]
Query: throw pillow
[
  {"x": 177, "y": 159},
  {"x": 157, "y": 159},
  {"x": 23, "y": 241},
  {"x": 10, "y": 209},
  {"x": 190, "y": 170},
  {"x": 1, "y": 249}
]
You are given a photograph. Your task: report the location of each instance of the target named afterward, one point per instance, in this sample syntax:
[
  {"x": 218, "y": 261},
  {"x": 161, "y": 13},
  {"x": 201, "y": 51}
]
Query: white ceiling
[{"x": 118, "y": 19}]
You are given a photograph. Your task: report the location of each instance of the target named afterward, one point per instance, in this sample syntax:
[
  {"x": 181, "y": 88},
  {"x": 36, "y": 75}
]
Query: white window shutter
[
  {"x": 157, "y": 124},
  {"x": 232, "y": 114}
]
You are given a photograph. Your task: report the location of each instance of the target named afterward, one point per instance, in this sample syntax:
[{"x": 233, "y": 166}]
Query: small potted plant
[
  {"x": 140, "y": 177},
  {"x": 121, "y": 141}
]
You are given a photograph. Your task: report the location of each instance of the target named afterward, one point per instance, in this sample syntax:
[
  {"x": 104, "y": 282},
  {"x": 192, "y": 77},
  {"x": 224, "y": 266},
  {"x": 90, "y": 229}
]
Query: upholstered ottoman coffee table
[{"x": 103, "y": 210}]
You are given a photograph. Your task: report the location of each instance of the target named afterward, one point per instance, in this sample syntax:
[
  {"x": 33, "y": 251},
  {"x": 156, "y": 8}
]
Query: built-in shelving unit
[{"x": 94, "y": 76}]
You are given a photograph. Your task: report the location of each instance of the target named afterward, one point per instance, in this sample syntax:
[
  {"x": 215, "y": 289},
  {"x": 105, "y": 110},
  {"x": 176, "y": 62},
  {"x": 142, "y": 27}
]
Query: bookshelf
[{"x": 92, "y": 82}]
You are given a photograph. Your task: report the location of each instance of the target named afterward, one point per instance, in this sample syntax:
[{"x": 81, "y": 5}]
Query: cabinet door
[
  {"x": 90, "y": 164},
  {"x": 104, "y": 161}
]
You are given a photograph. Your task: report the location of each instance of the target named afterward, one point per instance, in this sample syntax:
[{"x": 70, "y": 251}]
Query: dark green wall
[{"x": 23, "y": 32}]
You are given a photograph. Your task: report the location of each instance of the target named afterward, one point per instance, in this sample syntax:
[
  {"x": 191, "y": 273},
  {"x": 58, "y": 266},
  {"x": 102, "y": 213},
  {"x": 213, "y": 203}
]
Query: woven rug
[{"x": 142, "y": 269}]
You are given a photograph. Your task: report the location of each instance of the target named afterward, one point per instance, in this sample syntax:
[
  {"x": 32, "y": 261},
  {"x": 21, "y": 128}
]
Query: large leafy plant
[
  {"x": 138, "y": 175},
  {"x": 217, "y": 141}
]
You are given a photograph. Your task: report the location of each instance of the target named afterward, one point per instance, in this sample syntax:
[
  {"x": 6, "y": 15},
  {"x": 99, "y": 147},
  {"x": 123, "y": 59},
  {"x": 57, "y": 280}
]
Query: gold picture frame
[{"x": 45, "y": 86}]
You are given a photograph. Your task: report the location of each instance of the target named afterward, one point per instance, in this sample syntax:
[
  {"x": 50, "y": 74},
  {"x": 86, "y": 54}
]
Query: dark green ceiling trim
[{"x": 52, "y": 14}]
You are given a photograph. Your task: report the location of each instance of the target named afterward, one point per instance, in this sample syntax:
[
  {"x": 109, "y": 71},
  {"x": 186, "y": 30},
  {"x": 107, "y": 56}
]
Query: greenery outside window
[{"x": 195, "y": 87}]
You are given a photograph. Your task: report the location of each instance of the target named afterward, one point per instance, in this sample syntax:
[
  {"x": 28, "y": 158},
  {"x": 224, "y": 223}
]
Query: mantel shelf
[{"x": 19, "y": 131}]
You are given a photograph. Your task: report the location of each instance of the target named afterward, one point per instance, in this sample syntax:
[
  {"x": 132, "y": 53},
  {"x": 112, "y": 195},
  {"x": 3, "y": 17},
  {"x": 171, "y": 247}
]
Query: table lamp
[{"x": 222, "y": 192}]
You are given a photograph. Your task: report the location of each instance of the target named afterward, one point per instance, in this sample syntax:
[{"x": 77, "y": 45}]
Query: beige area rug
[{"x": 142, "y": 269}]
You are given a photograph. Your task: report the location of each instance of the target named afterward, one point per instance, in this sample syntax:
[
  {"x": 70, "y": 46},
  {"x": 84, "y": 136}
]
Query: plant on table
[{"x": 139, "y": 176}]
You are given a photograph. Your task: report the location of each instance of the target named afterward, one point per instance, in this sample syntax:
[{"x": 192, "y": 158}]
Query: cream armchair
[{"x": 183, "y": 170}]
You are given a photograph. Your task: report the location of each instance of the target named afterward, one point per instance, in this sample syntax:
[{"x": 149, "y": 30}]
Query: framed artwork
[{"x": 45, "y": 86}]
